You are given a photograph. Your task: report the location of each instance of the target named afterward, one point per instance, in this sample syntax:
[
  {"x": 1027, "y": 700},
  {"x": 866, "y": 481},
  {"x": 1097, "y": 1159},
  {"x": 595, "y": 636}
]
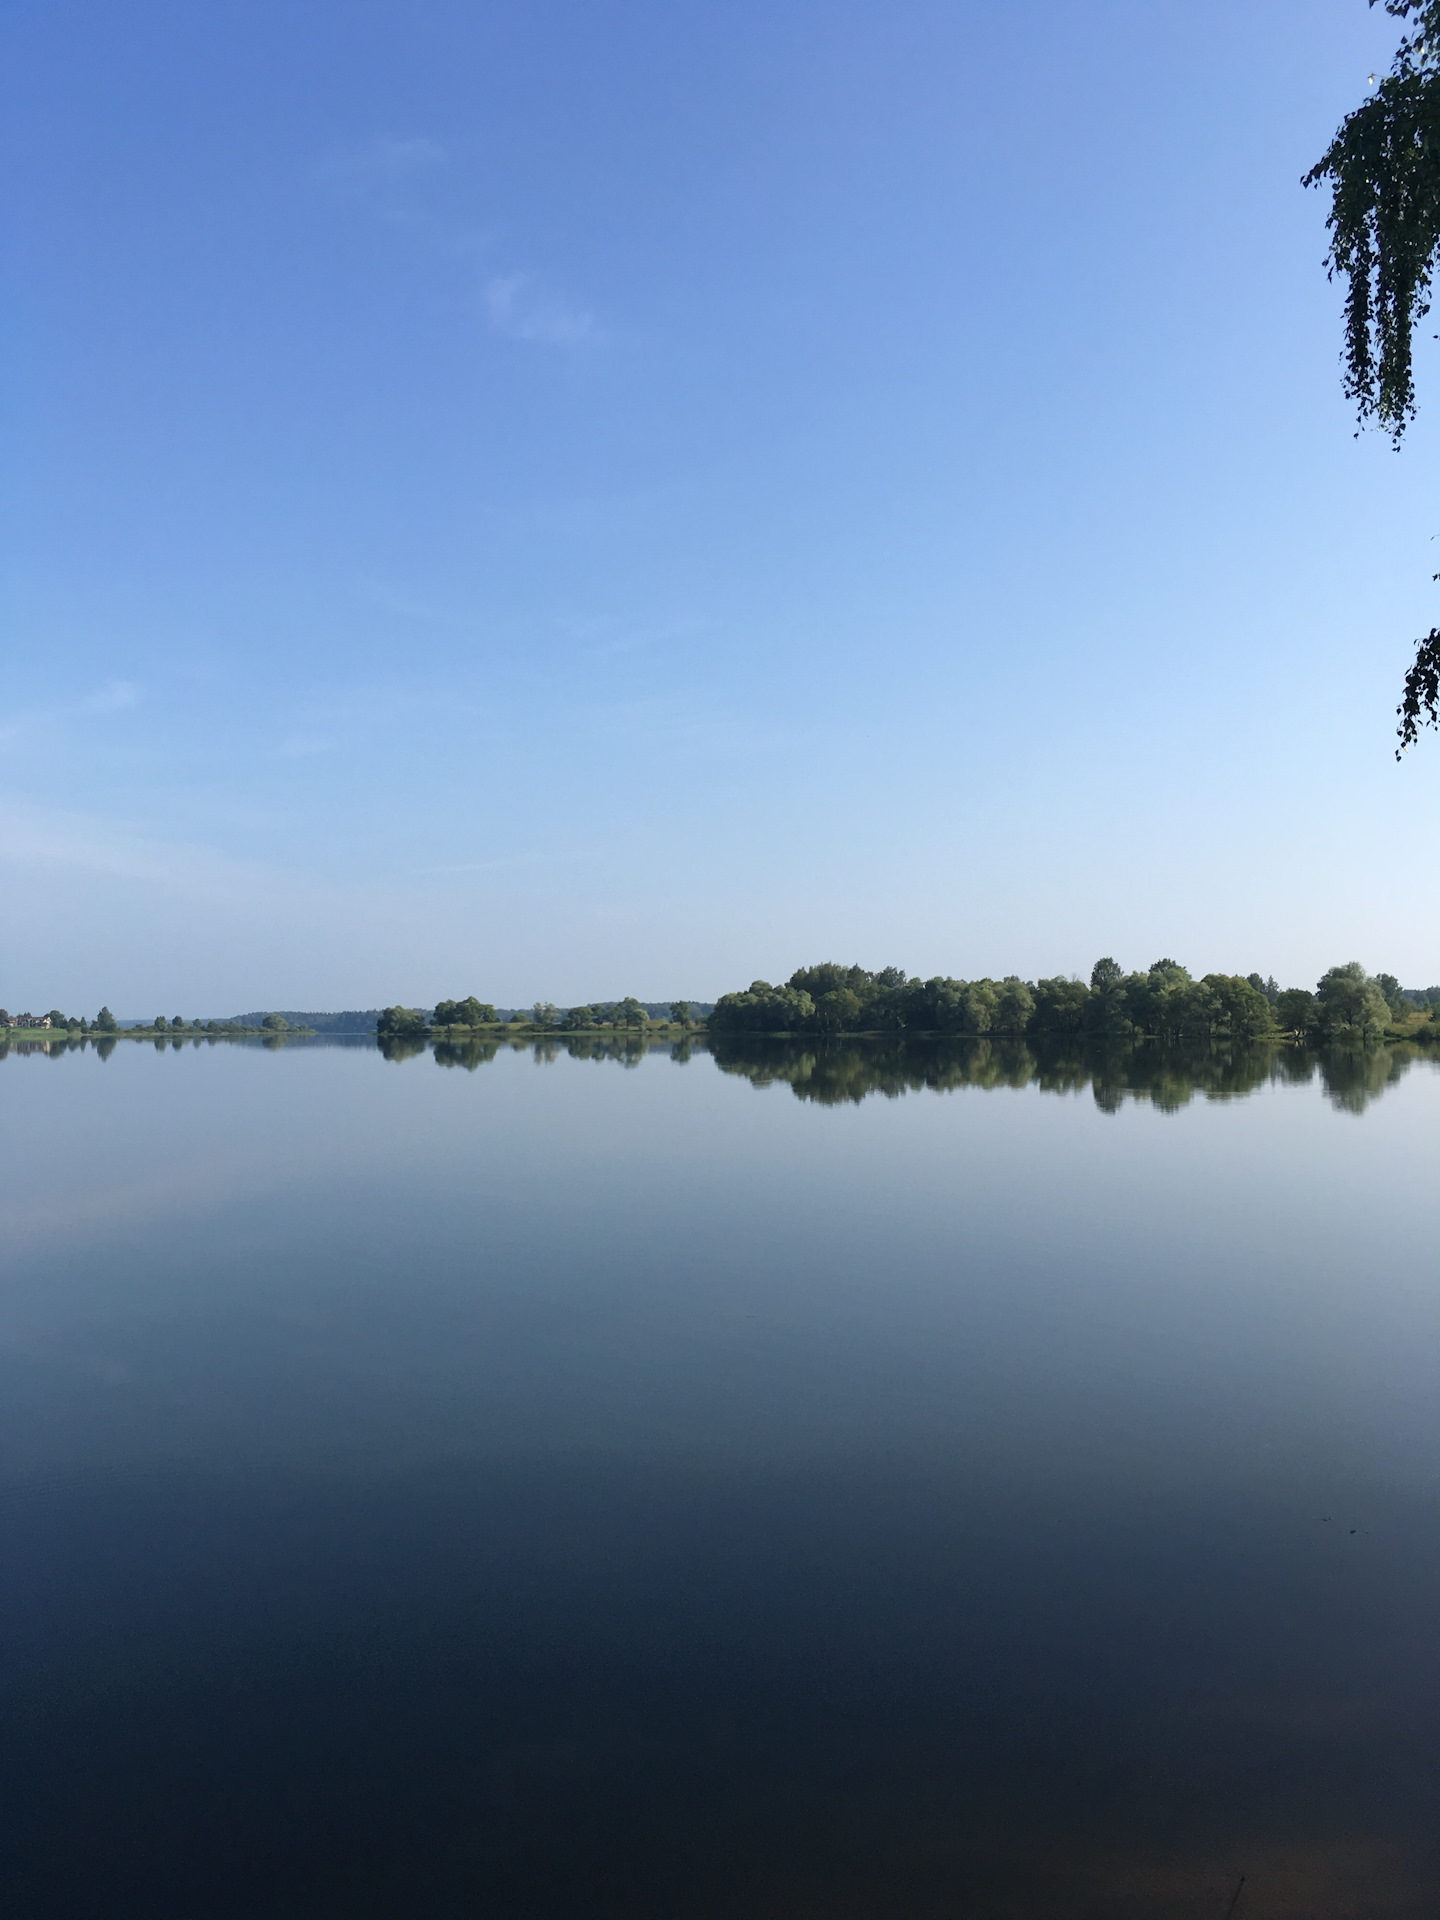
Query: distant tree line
[
  {"x": 106, "y": 1023},
  {"x": 353, "y": 1021},
  {"x": 273, "y": 1024},
  {"x": 630, "y": 1015},
  {"x": 56, "y": 1020},
  {"x": 1165, "y": 1002}
]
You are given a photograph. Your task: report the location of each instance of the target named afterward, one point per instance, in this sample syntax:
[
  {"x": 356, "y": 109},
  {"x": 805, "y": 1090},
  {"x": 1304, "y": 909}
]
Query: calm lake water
[{"x": 710, "y": 1489}]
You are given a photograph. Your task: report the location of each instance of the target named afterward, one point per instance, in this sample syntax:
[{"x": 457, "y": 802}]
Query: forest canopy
[{"x": 1165, "y": 1002}]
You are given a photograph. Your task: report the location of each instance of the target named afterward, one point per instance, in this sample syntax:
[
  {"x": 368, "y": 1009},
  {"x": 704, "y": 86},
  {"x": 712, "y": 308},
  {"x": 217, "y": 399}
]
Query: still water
[{"x": 803, "y": 1485}]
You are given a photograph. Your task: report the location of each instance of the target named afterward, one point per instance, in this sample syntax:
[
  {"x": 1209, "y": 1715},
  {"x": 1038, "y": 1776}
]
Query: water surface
[{"x": 858, "y": 1482}]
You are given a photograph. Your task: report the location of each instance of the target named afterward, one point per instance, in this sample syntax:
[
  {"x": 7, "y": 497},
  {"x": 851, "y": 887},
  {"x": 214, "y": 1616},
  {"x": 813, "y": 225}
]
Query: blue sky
[{"x": 570, "y": 500}]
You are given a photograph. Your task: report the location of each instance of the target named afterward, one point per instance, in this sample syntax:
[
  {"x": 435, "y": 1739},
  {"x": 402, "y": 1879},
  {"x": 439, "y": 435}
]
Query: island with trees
[
  {"x": 1164, "y": 1002},
  {"x": 835, "y": 1034}
]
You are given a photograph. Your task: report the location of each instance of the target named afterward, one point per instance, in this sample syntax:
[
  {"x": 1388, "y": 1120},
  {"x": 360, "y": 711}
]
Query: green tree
[
  {"x": 936, "y": 1005},
  {"x": 829, "y": 977},
  {"x": 1240, "y": 1010},
  {"x": 1383, "y": 170},
  {"x": 1015, "y": 1005},
  {"x": 105, "y": 1020},
  {"x": 680, "y": 1012},
  {"x": 160, "y": 1023},
  {"x": 401, "y": 1023},
  {"x": 981, "y": 1004},
  {"x": 272, "y": 1023},
  {"x": 764, "y": 1009},
  {"x": 1394, "y": 995},
  {"x": 1106, "y": 1012},
  {"x": 838, "y": 1011},
  {"x": 1060, "y": 1005},
  {"x": 1297, "y": 1011},
  {"x": 1162, "y": 1001},
  {"x": 1351, "y": 1003},
  {"x": 577, "y": 1019},
  {"x": 468, "y": 1012}
]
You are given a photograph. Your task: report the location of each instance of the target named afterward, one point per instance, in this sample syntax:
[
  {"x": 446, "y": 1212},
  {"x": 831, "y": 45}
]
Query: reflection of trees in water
[
  {"x": 835, "y": 1072},
  {"x": 477, "y": 1052},
  {"x": 401, "y": 1048},
  {"x": 1352, "y": 1075},
  {"x": 1356, "y": 1075}
]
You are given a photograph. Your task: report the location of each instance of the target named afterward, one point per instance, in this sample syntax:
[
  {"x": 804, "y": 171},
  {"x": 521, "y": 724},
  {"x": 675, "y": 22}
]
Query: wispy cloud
[
  {"x": 113, "y": 697},
  {"x": 51, "y": 837},
  {"x": 521, "y": 310},
  {"x": 29, "y": 723},
  {"x": 398, "y": 179},
  {"x": 383, "y": 174},
  {"x": 515, "y": 862}
]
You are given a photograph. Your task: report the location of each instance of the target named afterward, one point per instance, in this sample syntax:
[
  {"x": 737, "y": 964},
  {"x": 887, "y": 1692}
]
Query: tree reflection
[
  {"x": 1356, "y": 1075},
  {"x": 627, "y": 1050},
  {"x": 833, "y": 1073},
  {"x": 845, "y": 1072},
  {"x": 468, "y": 1054},
  {"x": 404, "y": 1047}
]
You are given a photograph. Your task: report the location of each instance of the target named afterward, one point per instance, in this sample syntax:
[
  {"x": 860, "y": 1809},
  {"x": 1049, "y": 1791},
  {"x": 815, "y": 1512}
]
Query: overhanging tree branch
[{"x": 1383, "y": 168}]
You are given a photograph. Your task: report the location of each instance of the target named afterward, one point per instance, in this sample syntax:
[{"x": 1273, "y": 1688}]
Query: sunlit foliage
[
  {"x": 1163, "y": 1003},
  {"x": 1383, "y": 169}
]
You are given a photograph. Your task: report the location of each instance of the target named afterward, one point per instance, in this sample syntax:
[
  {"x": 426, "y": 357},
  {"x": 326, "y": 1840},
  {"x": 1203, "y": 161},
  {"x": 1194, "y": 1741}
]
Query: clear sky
[{"x": 572, "y": 499}]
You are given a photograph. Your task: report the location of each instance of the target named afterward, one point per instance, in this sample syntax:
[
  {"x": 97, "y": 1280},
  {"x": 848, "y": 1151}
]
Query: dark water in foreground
[{"x": 557, "y": 1490}]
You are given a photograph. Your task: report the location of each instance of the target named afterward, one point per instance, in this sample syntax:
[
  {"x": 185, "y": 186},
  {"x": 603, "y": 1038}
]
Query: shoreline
[
  {"x": 30, "y": 1035},
  {"x": 527, "y": 1032}
]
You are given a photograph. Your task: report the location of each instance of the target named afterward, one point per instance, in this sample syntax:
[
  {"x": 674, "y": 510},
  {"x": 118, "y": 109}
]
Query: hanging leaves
[
  {"x": 1421, "y": 705},
  {"x": 1383, "y": 168}
]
